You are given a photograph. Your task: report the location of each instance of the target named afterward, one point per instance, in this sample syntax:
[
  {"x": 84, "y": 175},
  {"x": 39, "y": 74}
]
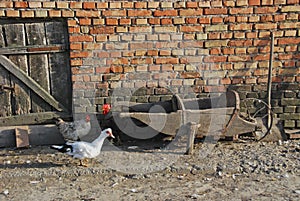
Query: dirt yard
[{"x": 215, "y": 171}]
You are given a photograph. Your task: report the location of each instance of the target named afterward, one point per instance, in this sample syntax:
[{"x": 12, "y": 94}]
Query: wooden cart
[{"x": 219, "y": 117}]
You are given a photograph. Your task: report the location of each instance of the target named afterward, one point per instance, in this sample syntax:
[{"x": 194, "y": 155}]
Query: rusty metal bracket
[{"x": 5, "y": 87}]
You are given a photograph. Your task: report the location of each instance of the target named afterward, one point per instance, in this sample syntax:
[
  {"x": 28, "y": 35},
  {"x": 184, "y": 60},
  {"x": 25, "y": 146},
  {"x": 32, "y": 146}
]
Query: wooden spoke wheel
[{"x": 256, "y": 110}]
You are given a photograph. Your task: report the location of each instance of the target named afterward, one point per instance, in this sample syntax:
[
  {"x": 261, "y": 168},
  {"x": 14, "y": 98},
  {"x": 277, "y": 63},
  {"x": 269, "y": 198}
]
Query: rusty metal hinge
[{"x": 5, "y": 87}]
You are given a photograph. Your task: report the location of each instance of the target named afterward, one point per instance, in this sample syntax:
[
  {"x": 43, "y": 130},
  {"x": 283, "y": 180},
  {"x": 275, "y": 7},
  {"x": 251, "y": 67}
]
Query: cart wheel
[{"x": 256, "y": 110}]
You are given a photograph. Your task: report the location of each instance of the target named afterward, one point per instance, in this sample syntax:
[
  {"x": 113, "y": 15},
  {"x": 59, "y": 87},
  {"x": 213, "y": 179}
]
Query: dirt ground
[{"x": 153, "y": 171}]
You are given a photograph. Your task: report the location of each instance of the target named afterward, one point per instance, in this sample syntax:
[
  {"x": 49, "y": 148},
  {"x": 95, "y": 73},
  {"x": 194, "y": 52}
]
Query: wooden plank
[
  {"x": 56, "y": 32},
  {"x": 33, "y": 118},
  {"x": 2, "y": 43},
  {"x": 32, "y": 84},
  {"x": 38, "y": 65},
  {"x": 37, "y": 134},
  {"x": 192, "y": 128},
  {"x": 21, "y": 98},
  {"x": 33, "y": 49},
  {"x": 22, "y": 138},
  {"x": 60, "y": 79},
  {"x": 5, "y": 96}
]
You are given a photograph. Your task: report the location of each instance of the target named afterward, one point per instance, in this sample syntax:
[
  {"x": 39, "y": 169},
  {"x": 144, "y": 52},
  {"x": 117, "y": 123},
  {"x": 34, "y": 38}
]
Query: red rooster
[{"x": 106, "y": 108}]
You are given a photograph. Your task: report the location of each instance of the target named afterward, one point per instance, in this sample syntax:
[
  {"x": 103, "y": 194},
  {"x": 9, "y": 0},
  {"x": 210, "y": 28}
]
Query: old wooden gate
[{"x": 35, "y": 82}]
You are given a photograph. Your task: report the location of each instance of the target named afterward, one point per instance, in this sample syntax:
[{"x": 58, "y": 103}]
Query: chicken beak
[{"x": 111, "y": 135}]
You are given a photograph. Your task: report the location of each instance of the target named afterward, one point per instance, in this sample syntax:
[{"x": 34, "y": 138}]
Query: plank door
[{"x": 35, "y": 75}]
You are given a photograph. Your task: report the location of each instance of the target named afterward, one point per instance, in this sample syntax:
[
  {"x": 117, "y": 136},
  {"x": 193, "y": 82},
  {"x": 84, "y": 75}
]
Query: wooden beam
[
  {"x": 22, "y": 138},
  {"x": 33, "y": 118},
  {"x": 32, "y": 84},
  {"x": 34, "y": 49}
]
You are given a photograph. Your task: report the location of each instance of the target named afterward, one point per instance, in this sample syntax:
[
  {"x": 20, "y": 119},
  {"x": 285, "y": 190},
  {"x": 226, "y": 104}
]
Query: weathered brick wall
[{"x": 160, "y": 48}]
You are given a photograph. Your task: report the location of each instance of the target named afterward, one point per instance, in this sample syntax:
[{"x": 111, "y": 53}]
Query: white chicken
[
  {"x": 74, "y": 130},
  {"x": 84, "y": 150}
]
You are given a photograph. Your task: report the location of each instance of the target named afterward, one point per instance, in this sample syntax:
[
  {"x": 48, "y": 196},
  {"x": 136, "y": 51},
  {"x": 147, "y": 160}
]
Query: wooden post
[
  {"x": 270, "y": 79},
  {"x": 22, "y": 138},
  {"x": 191, "y": 132}
]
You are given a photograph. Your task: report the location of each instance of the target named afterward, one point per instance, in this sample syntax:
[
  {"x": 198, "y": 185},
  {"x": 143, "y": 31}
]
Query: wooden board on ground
[
  {"x": 37, "y": 135},
  {"x": 22, "y": 138},
  {"x": 21, "y": 96}
]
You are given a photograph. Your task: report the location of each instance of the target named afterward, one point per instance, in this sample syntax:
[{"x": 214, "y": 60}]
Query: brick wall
[{"x": 145, "y": 50}]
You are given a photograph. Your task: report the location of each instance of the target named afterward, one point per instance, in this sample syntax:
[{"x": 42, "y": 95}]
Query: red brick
[
  {"x": 262, "y": 57},
  {"x": 204, "y": 20},
  {"x": 54, "y": 13},
  {"x": 278, "y": 18},
  {"x": 116, "y": 13},
  {"x": 75, "y": 46},
  {"x": 166, "y": 60},
  {"x": 189, "y": 44},
  {"x": 62, "y": 5},
  {"x": 292, "y": 2},
  {"x": 111, "y": 21},
  {"x": 215, "y": 59},
  {"x": 76, "y": 62},
  {"x": 191, "y": 20},
  {"x": 139, "y": 13},
  {"x": 215, "y": 11},
  {"x": 87, "y": 13},
  {"x": 102, "y": 4},
  {"x": 215, "y": 51},
  {"x": 213, "y": 35},
  {"x": 251, "y": 35},
  {"x": 284, "y": 41},
  {"x": 191, "y": 4},
  {"x": 261, "y": 10},
  {"x": 189, "y": 75},
  {"x": 140, "y": 4},
  {"x": 75, "y": 4},
  {"x": 81, "y": 38},
  {"x": 82, "y": 54},
  {"x": 159, "y": 13},
  {"x": 190, "y": 12},
  {"x": 216, "y": 20},
  {"x": 154, "y": 21},
  {"x": 289, "y": 25},
  {"x": 235, "y": 11},
  {"x": 240, "y": 43},
  {"x": 21, "y": 4},
  {"x": 125, "y": 21},
  {"x": 228, "y": 51},
  {"x": 139, "y": 29},
  {"x": 127, "y": 4},
  {"x": 85, "y": 21},
  {"x": 254, "y": 2},
  {"x": 191, "y": 28},
  {"x": 35, "y": 4},
  {"x": 27, "y": 13},
  {"x": 89, "y": 5},
  {"x": 267, "y": 18},
  {"x": 74, "y": 29},
  {"x": 229, "y": 19},
  {"x": 240, "y": 27},
  {"x": 102, "y": 30},
  {"x": 116, "y": 69},
  {"x": 267, "y": 26},
  {"x": 166, "y": 21},
  {"x": 267, "y": 2},
  {"x": 234, "y": 58},
  {"x": 142, "y": 61},
  {"x": 152, "y": 52}
]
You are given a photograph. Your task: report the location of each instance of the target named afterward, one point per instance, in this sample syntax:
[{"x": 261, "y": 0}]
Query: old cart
[{"x": 218, "y": 117}]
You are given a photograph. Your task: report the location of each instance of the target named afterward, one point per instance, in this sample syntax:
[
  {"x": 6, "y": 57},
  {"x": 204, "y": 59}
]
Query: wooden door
[{"x": 35, "y": 75}]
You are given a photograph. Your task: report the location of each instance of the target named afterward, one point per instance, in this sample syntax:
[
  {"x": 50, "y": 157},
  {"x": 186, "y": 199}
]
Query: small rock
[
  {"x": 133, "y": 190},
  {"x": 5, "y": 192},
  {"x": 28, "y": 161},
  {"x": 195, "y": 196},
  {"x": 279, "y": 142},
  {"x": 297, "y": 191}
]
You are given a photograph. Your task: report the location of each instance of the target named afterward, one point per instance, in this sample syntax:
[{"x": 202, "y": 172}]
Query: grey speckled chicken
[{"x": 73, "y": 131}]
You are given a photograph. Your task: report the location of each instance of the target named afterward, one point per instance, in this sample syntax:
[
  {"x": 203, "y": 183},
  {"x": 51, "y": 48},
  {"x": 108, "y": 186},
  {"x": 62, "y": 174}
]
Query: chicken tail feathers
[{"x": 62, "y": 148}]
